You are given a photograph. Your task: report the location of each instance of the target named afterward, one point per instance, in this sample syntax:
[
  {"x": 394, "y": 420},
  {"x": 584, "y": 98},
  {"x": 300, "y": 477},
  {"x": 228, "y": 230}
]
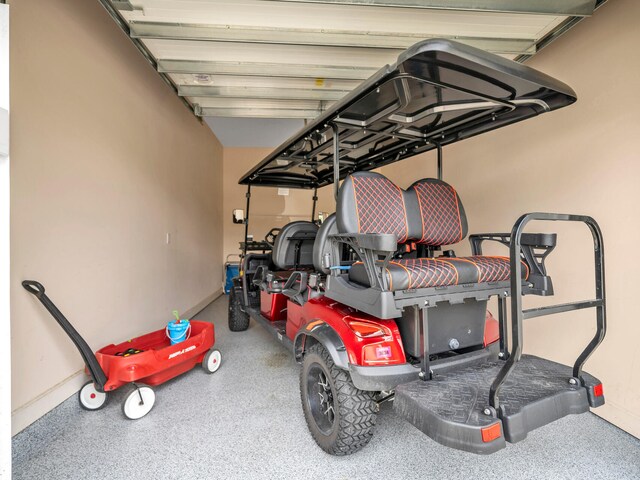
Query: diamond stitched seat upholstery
[
  {"x": 428, "y": 212},
  {"x": 416, "y": 273}
]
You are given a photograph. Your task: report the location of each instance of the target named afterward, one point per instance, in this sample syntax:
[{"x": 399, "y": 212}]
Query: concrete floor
[{"x": 245, "y": 421}]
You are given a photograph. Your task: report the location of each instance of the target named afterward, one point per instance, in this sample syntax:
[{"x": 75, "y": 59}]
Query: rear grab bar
[{"x": 518, "y": 314}]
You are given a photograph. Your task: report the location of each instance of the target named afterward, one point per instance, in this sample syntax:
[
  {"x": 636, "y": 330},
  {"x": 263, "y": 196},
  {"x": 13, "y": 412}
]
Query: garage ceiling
[{"x": 294, "y": 58}]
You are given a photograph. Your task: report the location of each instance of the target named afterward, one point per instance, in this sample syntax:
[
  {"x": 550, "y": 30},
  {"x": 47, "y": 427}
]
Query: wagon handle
[
  {"x": 95, "y": 370},
  {"x": 34, "y": 287}
]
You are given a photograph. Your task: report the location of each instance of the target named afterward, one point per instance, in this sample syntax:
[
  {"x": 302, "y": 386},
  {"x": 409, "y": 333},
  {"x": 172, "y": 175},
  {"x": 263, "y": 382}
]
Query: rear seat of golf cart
[
  {"x": 429, "y": 213},
  {"x": 450, "y": 293},
  {"x": 374, "y": 216}
]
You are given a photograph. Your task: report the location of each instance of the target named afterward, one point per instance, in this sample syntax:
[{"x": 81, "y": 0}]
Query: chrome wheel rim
[{"x": 320, "y": 399}]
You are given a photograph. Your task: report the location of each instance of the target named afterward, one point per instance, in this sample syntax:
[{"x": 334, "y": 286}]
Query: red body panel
[
  {"x": 273, "y": 306},
  {"x": 491, "y": 329},
  {"x": 381, "y": 349},
  {"x": 295, "y": 319},
  {"x": 338, "y": 317},
  {"x": 160, "y": 361}
]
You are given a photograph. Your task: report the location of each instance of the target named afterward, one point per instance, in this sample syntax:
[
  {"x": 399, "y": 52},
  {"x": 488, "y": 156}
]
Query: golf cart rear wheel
[
  {"x": 238, "y": 320},
  {"x": 90, "y": 398},
  {"x": 138, "y": 402},
  {"x": 340, "y": 417}
]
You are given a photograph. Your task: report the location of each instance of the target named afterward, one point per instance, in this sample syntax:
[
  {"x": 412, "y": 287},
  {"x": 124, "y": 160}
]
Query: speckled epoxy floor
[{"x": 245, "y": 421}]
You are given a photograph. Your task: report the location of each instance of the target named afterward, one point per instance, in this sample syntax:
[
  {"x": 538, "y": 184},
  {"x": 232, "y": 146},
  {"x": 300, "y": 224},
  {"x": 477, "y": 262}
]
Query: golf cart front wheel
[
  {"x": 90, "y": 398},
  {"x": 138, "y": 402},
  {"x": 238, "y": 320},
  {"x": 211, "y": 361},
  {"x": 340, "y": 417}
]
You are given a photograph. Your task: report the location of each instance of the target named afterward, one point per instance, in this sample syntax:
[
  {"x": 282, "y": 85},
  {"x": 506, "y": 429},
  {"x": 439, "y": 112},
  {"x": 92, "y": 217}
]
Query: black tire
[
  {"x": 238, "y": 320},
  {"x": 354, "y": 411}
]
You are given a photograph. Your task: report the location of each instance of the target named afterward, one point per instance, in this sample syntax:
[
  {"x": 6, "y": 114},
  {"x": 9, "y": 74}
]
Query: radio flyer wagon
[{"x": 141, "y": 362}]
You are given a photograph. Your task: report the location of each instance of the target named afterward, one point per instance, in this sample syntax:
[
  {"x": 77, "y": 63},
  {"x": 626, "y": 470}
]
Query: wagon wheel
[
  {"x": 138, "y": 402},
  {"x": 90, "y": 398},
  {"x": 212, "y": 361}
]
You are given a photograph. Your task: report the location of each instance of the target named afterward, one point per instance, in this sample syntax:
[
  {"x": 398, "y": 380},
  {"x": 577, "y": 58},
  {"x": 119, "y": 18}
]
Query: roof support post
[
  {"x": 315, "y": 200},
  {"x": 336, "y": 160},
  {"x": 246, "y": 222},
  {"x": 439, "y": 147}
]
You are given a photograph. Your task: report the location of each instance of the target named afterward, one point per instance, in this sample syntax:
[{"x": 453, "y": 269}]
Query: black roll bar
[
  {"x": 439, "y": 147},
  {"x": 518, "y": 314},
  {"x": 246, "y": 221},
  {"x": 315, "y": 200},
  {"x": 336, "y": 159}
]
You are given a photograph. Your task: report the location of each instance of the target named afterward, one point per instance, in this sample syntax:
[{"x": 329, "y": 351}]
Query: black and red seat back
[
  {"x": 371, "y": 203},
  {"x": 436, "y": 206},
  {"x": 428, "y": 212}
]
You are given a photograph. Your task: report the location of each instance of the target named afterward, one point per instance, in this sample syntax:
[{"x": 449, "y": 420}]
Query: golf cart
[{"x": 373, "y": 302}]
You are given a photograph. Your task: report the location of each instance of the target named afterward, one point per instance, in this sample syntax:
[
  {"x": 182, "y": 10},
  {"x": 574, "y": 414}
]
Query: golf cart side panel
[
  {"x": 377, "y": 341},
  {"x": 437, "y": 93},
  {"x": 375, "y": 363},
  {"x": 273, "y": 306}
]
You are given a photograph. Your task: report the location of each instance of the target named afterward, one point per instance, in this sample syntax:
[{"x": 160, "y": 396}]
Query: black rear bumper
[
  {"x": 384, "y": 378},
  {"x": 453, "y": 408}
]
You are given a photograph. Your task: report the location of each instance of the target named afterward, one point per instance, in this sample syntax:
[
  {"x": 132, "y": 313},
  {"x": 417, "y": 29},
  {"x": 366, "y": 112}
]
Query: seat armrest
[
  {"x": 259, "y": 277},
  {"x": 296, "y": 286},
  {"x": 535, "y": 247},
  {"x": 477, "y": 239},
  {"x": 533, "y": 240},
  {"x": 378, "y": 242},
  {"x": 369, "y": 247}
]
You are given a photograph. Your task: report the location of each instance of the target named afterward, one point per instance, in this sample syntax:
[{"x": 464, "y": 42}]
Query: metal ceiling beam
[
  {"x": 265, "y": 82},
  {"x": 256, "y": 112},
  {"x": 557, "y": 32},
  {"x": 122, "y": 24},
  {"x": 123, "y": 5},
  {"x": 264, "y": 69},
  {"x": 257, "y": 92},
  {"x": 577, "y": 8},
  {"x": 322, "y": 37},
  {"x": 262, "y": 103}
]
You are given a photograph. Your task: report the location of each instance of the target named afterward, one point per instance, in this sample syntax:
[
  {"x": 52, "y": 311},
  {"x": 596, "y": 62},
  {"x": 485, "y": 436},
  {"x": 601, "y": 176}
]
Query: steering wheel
[{"x": 270, "y": 237}]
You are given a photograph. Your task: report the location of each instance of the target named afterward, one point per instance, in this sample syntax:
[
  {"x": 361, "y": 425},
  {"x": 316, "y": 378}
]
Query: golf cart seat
[
  {"x": 322, "y": 251},
  {"x": 413, "y": 273},
  {"x": 293, "y": 247},
  {"x": 429, "y": 213},
  {"x": 292, "y": 250}
]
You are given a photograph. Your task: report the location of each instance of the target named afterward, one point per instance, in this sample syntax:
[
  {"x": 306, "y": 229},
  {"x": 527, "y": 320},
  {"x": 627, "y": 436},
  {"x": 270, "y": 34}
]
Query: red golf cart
[{"x": 374, "y": 303}]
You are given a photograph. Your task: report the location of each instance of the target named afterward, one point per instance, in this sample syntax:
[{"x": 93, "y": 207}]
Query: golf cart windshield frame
[{"x": 438, "y": 92}]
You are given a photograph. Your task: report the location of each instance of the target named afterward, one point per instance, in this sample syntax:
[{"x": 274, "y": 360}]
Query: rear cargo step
[{"x": 453, "y": 407}]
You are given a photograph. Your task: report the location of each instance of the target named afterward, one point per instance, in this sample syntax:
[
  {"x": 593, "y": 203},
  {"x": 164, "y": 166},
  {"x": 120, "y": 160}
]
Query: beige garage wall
[
  {"x": 583, "y": 159},
  {"x": 268, "y": 209},
  {"x": 106, "y": 161}
]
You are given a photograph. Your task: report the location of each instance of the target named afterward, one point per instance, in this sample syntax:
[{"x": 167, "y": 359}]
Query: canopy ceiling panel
[{"x": 294, "y": 58}]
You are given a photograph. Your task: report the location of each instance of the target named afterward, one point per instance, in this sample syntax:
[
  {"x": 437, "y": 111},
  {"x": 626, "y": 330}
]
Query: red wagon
[{"x": 141, "y": 362}]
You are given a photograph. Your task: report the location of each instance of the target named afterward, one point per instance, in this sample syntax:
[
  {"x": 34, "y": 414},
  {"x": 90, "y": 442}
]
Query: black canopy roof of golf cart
[{"x": 437, "y": 93}]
